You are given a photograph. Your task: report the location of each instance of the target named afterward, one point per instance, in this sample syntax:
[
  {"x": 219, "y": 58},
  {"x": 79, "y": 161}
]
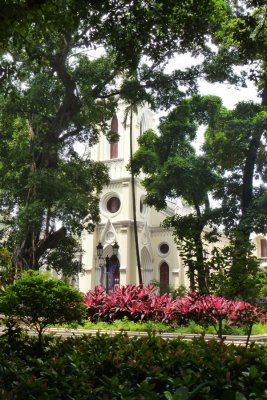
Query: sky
[{"x": 230, "y": 95}]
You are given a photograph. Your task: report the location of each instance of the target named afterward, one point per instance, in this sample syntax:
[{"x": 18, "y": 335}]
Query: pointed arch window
[
  {"x": 164, "y": 277},
  {"x": 263, "y": 248},
  {"x": 143, "y": 125},
  {"x": 114, "y": 145},
  {"x": 147, "y": 268}
]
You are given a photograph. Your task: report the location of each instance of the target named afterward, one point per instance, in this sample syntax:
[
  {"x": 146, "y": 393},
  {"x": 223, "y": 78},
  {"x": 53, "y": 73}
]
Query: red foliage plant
[{"x": 143, "y": 303}]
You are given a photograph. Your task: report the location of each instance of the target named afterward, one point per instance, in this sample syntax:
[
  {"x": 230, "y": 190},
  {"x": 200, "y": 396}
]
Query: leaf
[
  {"x": 168, "y": 395},
  {"x": 240, "y": 396}
]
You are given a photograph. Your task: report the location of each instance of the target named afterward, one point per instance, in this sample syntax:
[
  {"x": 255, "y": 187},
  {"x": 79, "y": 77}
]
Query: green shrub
[
  {"x": 37, "y": 300},
  {"x": 120, "y": 367}
]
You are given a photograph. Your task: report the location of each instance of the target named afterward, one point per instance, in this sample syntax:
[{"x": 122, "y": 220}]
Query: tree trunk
[
  {"x": 44, "y": 144},
  {"x": 191, "y": 274},
  {"x": 250, "y": 163},
  {"x": 201, "y": 273},
  {"x": 30, "y": 253},
  {"x": 241, "y": 242},
  {"x": 134, "y": 202}
]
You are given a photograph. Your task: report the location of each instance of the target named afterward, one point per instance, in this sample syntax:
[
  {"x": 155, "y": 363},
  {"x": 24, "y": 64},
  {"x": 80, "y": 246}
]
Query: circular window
[
  {"x": 164, "y": 248},
  {"x": 113, "y": 204},
  {"x": 110, "y": 204}
]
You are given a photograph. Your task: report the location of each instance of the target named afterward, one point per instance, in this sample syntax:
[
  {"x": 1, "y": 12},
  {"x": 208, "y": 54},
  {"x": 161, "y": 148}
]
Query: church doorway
[
  {"x": 113, "y": 272},
  {"x": 112, "y": 265}
]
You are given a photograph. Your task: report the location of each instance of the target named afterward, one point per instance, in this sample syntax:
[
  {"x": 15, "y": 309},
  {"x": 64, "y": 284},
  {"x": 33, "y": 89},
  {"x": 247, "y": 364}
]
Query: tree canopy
[
  {"x": 235, "y": 141},
  {"x": 58, "y": 90},
  {"x": 173, "y": 169},
  {"x": 65, "y": 64},
  {"x": 223, "y": 171}
]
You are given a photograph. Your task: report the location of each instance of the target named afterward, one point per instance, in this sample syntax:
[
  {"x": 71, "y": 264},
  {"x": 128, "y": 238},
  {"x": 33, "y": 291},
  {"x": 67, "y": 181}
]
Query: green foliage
[
  {"x": 126, "y": 325},
  {"x": 56, "y": 93},
  {"x": 133, "y": 368},
  {"x": 6, "y": 268},
  {"x": 45, "y": 179},
  {"x": 174, "y": 293},
  {"x": 155, "y": 326},
  {"x": 65, "y": 258},
  {"x": 37, "y": 300},
  {"x": 241, "y": 41},
  {"x": 173, "y": 169},
  {"x": 234, "y": 133},
  {"x": 261, "y": 284},
  {"x": 241, "y": 132},
  {"x": 223, "y": 277},
  {"x": 53, "y": 96},
  {"x": 234, "y": 158}
]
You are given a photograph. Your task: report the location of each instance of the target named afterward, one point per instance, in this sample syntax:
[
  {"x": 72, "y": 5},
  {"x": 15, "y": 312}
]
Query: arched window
[
  {"x": 164, "y": 278},
  {"x": 263, "y": 248},
  {"x": 143, "y": 125},
  {"x": 147, "y": 268},
  {"x": 114, "y": 145}
]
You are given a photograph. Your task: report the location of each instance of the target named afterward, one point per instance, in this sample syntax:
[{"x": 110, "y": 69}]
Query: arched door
[
  {"x": 112, "y": 265},
  {"x": 114, "y": 272}
]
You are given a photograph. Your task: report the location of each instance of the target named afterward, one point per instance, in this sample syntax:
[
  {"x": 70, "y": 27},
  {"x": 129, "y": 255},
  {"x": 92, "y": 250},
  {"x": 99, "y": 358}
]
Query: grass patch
[{"x": 151, "y": 326}]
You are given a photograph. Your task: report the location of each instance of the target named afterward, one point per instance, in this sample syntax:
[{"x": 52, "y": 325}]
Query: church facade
[{"x": 159, "y": 257}]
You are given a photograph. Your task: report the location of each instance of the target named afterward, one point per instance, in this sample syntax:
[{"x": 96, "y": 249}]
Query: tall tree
[
  {"x": 54, "y": 94},
  {"x": 241, "y": 41},
  {"x": 173, "y": 169},
  {"x": 242, "y": 191}
]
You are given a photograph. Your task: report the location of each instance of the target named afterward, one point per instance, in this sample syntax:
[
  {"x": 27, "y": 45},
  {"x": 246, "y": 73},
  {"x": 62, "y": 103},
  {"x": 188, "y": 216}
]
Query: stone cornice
[{"x": 121, "y": 224}]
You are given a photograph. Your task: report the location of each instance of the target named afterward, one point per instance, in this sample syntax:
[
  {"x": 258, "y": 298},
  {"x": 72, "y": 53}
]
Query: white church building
[{"x": 159, "y": 257}]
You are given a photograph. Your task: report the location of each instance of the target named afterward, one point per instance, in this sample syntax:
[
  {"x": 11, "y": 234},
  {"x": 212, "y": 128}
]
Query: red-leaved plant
[
  {"x": 131, "y": 301},
  {"x": 143, "y": 303}
]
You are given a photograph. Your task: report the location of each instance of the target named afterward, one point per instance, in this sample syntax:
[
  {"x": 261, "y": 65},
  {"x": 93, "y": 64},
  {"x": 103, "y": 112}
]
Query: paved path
[
  {"x": 260, "y": 339},
  {"x": 65, "y": 333}
]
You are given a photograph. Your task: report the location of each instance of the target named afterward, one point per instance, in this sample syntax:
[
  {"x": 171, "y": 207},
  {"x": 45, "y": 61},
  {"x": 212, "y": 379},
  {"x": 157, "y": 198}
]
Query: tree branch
[
  {"x": 71, "y": 104},
  {"x": 51, "y": 241}
]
